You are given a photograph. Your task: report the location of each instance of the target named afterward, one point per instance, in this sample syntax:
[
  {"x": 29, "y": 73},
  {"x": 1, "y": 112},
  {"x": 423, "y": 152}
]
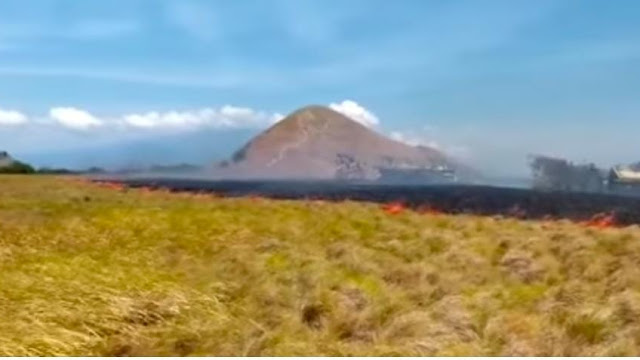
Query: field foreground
[{"x": 87, "y": 270}]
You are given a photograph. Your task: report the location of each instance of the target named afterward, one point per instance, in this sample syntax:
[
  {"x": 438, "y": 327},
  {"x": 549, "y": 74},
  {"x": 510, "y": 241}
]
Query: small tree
[{"x": 17, "y": 167}]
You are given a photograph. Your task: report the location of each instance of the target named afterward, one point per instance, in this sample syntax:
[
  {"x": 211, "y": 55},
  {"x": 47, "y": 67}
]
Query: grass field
[{"x": 86, "y": 270}]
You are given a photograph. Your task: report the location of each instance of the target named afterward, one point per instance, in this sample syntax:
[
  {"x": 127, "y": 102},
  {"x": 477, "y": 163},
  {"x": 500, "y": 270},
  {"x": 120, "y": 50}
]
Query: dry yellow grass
[{"x": 92, "y": 271}]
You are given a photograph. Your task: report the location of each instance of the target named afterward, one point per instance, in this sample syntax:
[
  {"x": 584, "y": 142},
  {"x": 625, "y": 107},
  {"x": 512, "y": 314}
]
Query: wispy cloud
[
  {"x": 218, "y": 78},
  {"x": 316, "y": 24},
  {"x": 133, "y": 76},
  {"x": 81, "y": 29},
  {"x": 195, "y": 18},
  {"x": 433, "y": 45},
  {"x": 438, "y": 41},
  {"x": 101, "y": 29},
  {"x": 603, "y": 50}
]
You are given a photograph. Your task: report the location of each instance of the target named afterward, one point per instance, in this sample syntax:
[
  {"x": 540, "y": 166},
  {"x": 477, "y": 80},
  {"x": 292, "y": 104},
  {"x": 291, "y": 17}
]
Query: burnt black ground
[{"x": 454, "y": 199}]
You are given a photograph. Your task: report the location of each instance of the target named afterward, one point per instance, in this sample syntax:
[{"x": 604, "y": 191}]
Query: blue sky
[{"x": 487, "y": 81}]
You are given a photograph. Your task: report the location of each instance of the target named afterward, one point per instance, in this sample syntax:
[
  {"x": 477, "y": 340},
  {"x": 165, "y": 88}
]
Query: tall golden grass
[{"x": 86, "y": 270}]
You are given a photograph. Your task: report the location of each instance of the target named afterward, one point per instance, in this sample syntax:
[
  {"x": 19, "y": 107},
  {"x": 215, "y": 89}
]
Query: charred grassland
[{"x": 90, "y": 270}]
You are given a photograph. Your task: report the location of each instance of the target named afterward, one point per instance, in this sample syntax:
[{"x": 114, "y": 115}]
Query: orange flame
[
  {"x": 393, "y": 208},
  {"x": 601, "y": 221}
]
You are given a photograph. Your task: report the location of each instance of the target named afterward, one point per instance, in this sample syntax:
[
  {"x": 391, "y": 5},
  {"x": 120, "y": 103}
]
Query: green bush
[{"x": 17, "y": 167}]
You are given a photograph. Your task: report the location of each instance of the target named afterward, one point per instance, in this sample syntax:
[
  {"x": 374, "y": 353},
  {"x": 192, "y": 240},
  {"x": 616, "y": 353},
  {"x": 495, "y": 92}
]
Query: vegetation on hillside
[
  {"x": 107, "y": 271},
  {"x": 17, "y": 167}
]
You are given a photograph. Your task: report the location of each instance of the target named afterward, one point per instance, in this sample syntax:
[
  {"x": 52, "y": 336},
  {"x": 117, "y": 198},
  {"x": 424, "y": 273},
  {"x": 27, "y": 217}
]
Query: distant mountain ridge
[
  {"x": 316, "y": 142},
  {"x": 193, "y": 147}
]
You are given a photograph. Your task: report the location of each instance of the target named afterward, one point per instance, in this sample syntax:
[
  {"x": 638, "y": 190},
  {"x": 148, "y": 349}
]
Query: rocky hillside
[{"x": 318, "y": 143}]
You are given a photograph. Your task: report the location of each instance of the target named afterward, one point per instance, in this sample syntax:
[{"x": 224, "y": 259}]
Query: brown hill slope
[{"x": 315, "y": 142}]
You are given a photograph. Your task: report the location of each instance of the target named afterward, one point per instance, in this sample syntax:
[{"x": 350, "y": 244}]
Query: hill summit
[
  {"x": 5, "y": 159},
  {"x": 316, "y": 142}
]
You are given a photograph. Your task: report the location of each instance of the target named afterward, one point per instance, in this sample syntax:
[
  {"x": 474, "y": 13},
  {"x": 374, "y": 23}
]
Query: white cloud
[
  {"x": 228, "y": 116},
  {"x": 12, "y": 118},
  {"x": 356, "y": 112},
  {"x": 75, "y": 119},
  {"x": 276, "y": 118},
  {"x": 153, "y": 120},
  {"x": 223, "y": 117}
]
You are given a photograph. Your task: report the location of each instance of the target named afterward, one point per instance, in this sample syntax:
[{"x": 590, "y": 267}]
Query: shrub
[{"x": 17, "y": 167}]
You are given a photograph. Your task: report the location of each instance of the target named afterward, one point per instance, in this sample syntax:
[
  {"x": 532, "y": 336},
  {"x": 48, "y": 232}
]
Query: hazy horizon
[{"x": 160, "y": 82}]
